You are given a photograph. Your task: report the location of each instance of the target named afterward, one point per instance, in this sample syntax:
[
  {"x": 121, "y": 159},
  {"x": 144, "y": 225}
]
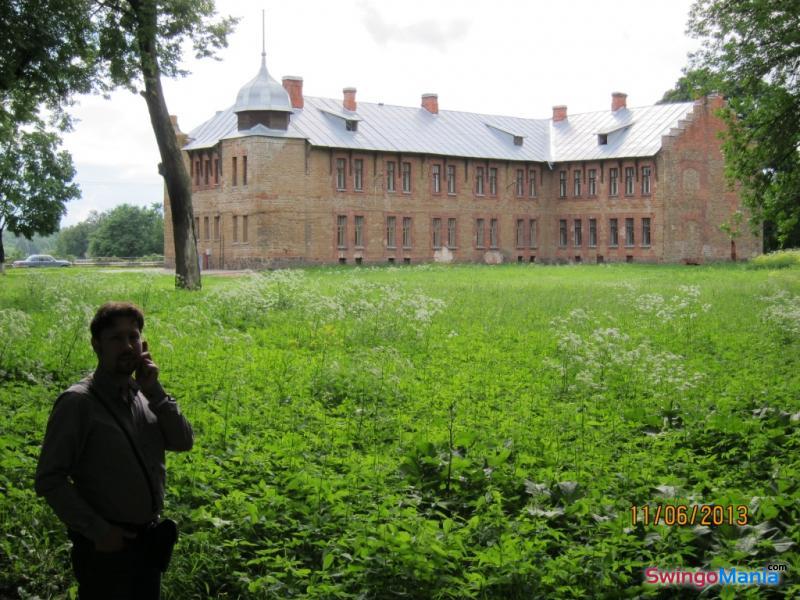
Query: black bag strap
[{"x": 154, "y": 502}]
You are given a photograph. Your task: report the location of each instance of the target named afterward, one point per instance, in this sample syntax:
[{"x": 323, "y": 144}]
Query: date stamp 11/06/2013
[{"x": 681, "y": 515}]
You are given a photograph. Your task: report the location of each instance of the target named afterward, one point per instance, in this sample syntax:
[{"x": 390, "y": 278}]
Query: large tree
[
  {"x": 142, "y": 39},
  {"x": 752, "y": 49},
  {"x": 128, "y": 231},
  {"x": 103, "y": 44},
  {"x": 35, "y": 184}
]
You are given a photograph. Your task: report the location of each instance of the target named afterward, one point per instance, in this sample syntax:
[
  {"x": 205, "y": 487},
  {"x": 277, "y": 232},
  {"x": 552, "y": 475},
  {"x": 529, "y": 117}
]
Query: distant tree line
[{"x": 124, "y": 231}]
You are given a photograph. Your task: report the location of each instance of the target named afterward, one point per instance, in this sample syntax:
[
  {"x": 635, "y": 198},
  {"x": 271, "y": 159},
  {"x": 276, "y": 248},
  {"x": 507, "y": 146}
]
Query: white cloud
[{"x": 436, "y": 33}]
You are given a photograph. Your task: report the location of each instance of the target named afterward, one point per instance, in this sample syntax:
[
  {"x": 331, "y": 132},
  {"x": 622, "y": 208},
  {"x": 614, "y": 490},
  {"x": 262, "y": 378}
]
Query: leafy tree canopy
[
  {"x": 692, "y": 85},
  {"x": 128, "y": 231},
  {"x": 751, "y": 53},
  {"x": 85, "y": 46},
  {"x": 35, "y": 183}
]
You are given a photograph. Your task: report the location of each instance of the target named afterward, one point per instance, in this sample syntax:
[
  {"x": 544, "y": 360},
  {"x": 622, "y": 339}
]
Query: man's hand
[
  {"x": 114, "y": 540},
  {"x": 147, "y": 376}
]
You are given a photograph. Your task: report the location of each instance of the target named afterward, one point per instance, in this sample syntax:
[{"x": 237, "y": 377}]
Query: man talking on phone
[{"x": 102, "y": 464}]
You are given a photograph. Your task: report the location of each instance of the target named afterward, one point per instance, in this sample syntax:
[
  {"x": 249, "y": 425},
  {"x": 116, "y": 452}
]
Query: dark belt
[{"x": 137, "y": 528}]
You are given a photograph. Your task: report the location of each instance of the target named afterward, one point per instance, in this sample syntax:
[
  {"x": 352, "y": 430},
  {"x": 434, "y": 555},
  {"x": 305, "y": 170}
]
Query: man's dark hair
[{"x": 110, "y": 311}]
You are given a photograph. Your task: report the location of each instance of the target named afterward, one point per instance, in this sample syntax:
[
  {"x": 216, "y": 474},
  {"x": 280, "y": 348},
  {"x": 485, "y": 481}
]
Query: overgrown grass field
[{"x": 435, "y": 432}]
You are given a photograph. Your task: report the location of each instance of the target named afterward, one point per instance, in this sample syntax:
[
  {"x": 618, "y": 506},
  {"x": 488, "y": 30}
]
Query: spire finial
[{"x": 263, "y": 36}]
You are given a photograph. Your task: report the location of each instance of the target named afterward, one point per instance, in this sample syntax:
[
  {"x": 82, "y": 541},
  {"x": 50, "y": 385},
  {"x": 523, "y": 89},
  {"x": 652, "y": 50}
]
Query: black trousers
[{"x": 123, "y": 575}]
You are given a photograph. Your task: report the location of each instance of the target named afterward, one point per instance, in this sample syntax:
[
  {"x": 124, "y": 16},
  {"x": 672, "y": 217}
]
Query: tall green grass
[{"x": 431, "y": 431}]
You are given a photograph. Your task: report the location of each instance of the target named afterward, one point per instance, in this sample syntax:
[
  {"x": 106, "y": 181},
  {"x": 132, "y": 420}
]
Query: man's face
[{"x": 119, "y": 346}]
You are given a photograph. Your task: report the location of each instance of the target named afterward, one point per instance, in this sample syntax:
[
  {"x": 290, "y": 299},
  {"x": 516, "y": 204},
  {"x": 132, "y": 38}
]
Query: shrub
[{"x": 780, "y": 259}]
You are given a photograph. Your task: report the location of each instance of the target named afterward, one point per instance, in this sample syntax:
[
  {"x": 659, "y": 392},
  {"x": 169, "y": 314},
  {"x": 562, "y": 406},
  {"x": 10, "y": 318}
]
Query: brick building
[{"x": 281, "y": 179}]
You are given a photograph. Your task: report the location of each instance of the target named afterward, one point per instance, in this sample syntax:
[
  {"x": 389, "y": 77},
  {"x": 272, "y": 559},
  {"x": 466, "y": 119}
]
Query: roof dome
[{"x": 262, "y": 93}]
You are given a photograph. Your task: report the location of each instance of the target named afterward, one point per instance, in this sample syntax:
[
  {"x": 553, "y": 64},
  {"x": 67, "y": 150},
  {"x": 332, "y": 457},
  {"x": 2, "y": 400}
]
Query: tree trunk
[
  {"x": 187, "y": 267},
  {"x": 733, "y": 250},
  {"x": 2, "y": 254}
]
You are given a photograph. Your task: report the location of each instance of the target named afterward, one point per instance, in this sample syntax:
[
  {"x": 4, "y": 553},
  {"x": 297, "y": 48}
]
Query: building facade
[{"x": 281, "y": 179}]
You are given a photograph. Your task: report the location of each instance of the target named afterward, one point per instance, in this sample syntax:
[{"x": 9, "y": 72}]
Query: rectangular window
[
  {"x": 358, "y": 239},
  {"x": 520, "y": 233},
  {"x": 613, "y": 184},
  {"x": 520, "y": 183},
  {"x": 532, "y": 183},
  {"x": 629, "y": 181},
  {"x": 206, "y": 228},
  {"x": 645, "y": 181},
  {"x": 216, "y": 228},
  {"x": 629, "y": 232},
  {"x": 244, "y": 170},
  {"x": 646, "y": 231},
  {"x": 390, "y": 175},
  {"x": 341, "y": 174},
  {"x": 562, "y": 184},
  {"x": 358, "y": 175},
  {"x": 234, "y": 171},
  {"x": 391, "y": 231},
  {"x": 436, "y": 232},
  {"x": 592, "y": 182},
  {"x": 562, "y": 233},
  {"x": 479, "y": 181},
  {"x": 479, "y": 239},
  {"x": 532, "y": 227},
  {"x": 216, "y": 171},
  {"x": 492, "y": 181},
  {"x": 576, "y": 188},
  {"x": 494, "y": 240},
  {"x": 451, "y": 233},
  {"x": 244, "y": 228},
  {"x": 407, "y": 177},
  {"x": 436, "y": 177},
  {"x": 207, "y": 172},
  {"x": 592, "y": 233},
  {"x": 235, "y": 228},
  {"x": 577, "y": 233},
  {"x": 341, "y": 231},
  {"x": 451, "y": 179},
  {"x": 613, "y": 233},
  {"x": 406, "y": 232}
]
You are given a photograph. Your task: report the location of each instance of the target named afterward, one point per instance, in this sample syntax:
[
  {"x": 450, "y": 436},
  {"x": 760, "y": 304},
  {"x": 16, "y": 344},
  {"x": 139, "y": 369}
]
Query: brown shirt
[{"x": 88, "y": 472}]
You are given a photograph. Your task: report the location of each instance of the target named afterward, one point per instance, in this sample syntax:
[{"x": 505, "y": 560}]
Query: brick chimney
[
  {"x": 179, "y": 135},
  {"x": 559, "y": 113},
  {"x": 430, "y": 102},
  {"x": 618, "y": 100},
  {"x": 349, "y": 101},
  {"x": 294, "y": 86}
]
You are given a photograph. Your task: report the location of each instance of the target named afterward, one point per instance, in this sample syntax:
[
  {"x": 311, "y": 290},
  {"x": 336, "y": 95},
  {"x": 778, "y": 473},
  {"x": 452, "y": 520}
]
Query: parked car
[{"x": 41, "y": 260}]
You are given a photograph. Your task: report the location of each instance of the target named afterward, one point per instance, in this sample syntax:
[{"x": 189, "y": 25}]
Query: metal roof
[
  {"x": 263, "y": 93},
  {"x": 631, "y": 131}
]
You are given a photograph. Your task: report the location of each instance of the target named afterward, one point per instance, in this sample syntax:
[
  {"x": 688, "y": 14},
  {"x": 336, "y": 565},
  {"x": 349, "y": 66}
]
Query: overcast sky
[{"x": 502, "y": 57}]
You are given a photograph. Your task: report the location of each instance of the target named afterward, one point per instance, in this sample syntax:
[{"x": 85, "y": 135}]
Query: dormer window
[
  {"x": 351, "y": 125},
  {"x": 602, "y": 139},
  {"x": 518, "y": 140}
]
